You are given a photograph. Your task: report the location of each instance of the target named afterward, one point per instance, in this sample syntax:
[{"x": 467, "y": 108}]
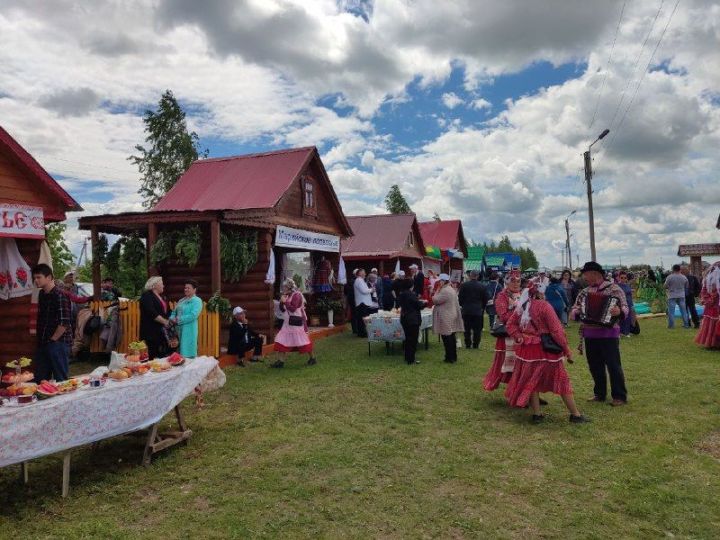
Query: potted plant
[{"x": 325, "y": 303}]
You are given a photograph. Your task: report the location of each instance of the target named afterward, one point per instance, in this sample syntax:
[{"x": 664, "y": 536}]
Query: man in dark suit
[
  {"x": 418, "y": 280},
  {"x": 243, "y": 338},
  {"x": 473, "y": 298},
  {"x": 692, "y": 291}
]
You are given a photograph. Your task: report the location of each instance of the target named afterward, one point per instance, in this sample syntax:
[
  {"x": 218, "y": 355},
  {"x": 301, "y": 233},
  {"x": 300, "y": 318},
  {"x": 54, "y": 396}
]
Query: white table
[{"x": 85, "y": 416}]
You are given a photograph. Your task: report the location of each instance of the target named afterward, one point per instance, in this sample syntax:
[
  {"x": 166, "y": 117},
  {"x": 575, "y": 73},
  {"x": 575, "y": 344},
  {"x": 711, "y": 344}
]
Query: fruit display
[
  {"x": 19, "y": 389},
  {"x": 175, "y": 359},
  {"x": 18, "y": 375},
  {"x": 138, "y": 351},
  {"x": 69, "y": 385},
  {"x": 46, "y": 390},
  {"x": 159, "y": 365},
  {"x": 120, "y": 374}
]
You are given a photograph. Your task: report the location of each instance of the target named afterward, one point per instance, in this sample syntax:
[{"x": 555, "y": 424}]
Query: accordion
[{"x": 595, "y": 309}]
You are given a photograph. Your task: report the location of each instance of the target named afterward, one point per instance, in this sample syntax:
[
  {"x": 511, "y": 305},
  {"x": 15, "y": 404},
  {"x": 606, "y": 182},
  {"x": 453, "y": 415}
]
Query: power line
[
  {"x": 635, "y": 65},
  {"x": 652, "y": 57},
  {"x": 607, "y": 67}
]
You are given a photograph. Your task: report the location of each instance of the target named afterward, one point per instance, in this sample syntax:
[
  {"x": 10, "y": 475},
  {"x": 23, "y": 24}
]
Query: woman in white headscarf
[
  {"x": 293, "y": 336},
  {"x": 709, "y": 334},
  {"x": 154, "y": 318}
]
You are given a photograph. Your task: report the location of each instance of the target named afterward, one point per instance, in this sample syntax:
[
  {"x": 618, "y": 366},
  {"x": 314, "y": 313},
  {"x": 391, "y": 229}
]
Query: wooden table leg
[
  {"x": 24, "y": 476},
  {"x": 180, "y": 419},
  {"x": 147, "y": 455},
  {"x": 427, "y": 335},
  {"x": 66, "y": 474}
]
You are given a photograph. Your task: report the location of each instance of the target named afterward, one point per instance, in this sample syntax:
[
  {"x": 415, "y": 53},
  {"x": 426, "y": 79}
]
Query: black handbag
[
  {"x": 635, "y": 330},
  {"x": 295, "y": 320},
  {"x": 498, "y": 329},
  {"x": 549, "y": 344},
  {"x": 92, "y": 325}
]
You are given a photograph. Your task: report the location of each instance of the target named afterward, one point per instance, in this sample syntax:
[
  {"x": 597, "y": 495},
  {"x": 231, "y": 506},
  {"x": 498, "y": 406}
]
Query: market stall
[
  {"x": 385, "y": 326},
  {"x": 445, "y": 243},
  {"x": 29, "y": 199},
  {"x": 244, "y": 219}
]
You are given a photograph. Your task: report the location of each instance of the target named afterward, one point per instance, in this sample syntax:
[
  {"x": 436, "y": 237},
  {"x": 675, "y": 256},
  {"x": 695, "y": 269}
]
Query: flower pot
[{"x": 331, "y": 315}]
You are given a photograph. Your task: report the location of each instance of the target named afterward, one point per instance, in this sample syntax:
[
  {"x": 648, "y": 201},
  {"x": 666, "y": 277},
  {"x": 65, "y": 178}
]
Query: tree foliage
[
  {"x": 62, "y": 257},
  {"x": 170, "y": 149},
  {"x": 395, "y": 201}
]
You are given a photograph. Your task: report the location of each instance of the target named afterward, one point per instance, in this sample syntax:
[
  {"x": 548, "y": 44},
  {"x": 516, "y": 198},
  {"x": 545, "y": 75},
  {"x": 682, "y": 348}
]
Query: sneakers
[
  {"x": 312, "y": 361},
  {"x": 537, "y": 418},
  {"x": 579, "y": 419}
]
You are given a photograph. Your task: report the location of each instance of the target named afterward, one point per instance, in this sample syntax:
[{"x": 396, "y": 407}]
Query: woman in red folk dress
[
  {"x": 709, "y": 334},
  {"x": 502, "y": 366},
  {"x": 293, "y": 336},
  {"x": 537, "y": 370}
]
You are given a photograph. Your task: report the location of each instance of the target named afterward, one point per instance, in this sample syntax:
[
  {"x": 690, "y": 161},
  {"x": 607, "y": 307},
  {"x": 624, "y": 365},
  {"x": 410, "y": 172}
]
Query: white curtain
[
  {"x": 397, "y": 267},
  {"x": 270, "y": 275},
  {"x": 342, "y": 272},
  {"x": 15, "y": 275}
]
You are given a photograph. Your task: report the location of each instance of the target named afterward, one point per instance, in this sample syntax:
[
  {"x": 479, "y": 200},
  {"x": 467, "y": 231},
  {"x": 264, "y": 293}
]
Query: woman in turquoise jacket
[{"x": 186, "y": 316}]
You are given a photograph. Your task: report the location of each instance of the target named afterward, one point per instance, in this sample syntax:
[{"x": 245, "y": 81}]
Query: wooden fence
[{"x": 208, "y": 328}]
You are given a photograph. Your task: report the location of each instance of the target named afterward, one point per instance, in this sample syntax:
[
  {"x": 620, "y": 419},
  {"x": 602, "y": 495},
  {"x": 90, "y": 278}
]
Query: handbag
[
  {"x": 549, "y": 344},
  {"x": 498, "y": 329},
  {"x": 635, "y": 330},
  {"x": 92, "y": 325},
  {"x": 295, "y": 320}
]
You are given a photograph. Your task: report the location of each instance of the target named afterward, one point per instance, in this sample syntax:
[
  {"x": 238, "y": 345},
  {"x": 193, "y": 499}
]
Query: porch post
[
  {"x": 215, "y": 278},
  {"x": 696, "y": 266},
  {"x": 95, "y": 262},
  {"x": 151, "y": 239}
]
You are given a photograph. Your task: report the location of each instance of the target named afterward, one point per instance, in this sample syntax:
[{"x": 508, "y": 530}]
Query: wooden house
[
  {"x": 446, "y": 239},
  {"x": 382, "y": 241},
  {"x": 284, "y": 199},
  {"x": 29, "y": 198}
]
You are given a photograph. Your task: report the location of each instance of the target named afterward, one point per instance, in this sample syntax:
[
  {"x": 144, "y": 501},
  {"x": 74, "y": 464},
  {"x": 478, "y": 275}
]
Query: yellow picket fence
[{"x": 208, "y": 328}]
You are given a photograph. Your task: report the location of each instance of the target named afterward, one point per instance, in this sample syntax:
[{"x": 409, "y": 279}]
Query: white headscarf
[
  {"x": 151, "y": 282},
  {"x": 522, "y": 307},
  {"x": 712, "y": 279}
]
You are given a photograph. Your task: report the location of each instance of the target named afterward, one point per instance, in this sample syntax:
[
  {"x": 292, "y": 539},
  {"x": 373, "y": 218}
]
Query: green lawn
[{"x": 360, "y": 447}]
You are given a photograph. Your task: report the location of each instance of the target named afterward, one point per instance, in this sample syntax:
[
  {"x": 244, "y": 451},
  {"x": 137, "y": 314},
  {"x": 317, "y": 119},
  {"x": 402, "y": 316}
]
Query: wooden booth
[
  {"x": 696, "y": 253},
  {"x": 445, "y": 244},
  {"x": 29, "y": 198},
  {"x": 382, "y": 241},
  {"x": 254, "y": 219}
]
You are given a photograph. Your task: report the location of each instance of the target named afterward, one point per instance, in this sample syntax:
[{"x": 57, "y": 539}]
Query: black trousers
[
  {"x": 604, "y": 354},
  {"x": 692, "y": 311},
  {"x": 412, "y": 333},
  {"x": 362, "y": 311},
  {"x": 473, "y": 330},
  {"x": 450, "y": 347},
  {"x": 255, "y": 345},
  {"x": 353, "y": 317}
]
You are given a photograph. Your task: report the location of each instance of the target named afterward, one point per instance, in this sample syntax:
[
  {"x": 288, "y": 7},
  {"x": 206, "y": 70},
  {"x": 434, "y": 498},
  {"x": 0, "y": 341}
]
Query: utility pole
[
  {"x": 567, "y": 239},
  {"x": 587, "y": 158}
]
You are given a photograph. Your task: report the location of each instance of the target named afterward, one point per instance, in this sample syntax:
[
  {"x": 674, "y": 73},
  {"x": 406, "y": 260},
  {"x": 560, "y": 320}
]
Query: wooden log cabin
[
  {"x": 283, "y": 197},
  {"x": 448, "y": 237},
  {"x": 29, "y": 198},
  {"x": 381, "y": 241}
]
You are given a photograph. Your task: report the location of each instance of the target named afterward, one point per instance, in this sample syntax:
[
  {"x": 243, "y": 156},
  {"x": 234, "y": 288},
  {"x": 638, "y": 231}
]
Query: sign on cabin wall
[
  {"x": 310, "y": 241},
  {"x": 17, "y": 221}
]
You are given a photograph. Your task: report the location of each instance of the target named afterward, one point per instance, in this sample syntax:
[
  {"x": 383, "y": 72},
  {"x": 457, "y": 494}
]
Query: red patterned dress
[
  {"x": 502, "y": 366},
  {"x": 535, "y": 369},
  {"x": 709, "y": 334}
]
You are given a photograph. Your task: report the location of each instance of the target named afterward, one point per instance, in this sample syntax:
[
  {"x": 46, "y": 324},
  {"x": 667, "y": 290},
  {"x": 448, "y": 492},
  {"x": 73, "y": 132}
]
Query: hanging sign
[
  {"x": 18, "y": 221},
  {"x": 310, "y": 241}
]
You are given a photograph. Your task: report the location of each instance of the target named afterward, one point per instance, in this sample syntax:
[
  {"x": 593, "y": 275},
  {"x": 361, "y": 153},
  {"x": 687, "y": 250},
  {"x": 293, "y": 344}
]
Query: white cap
[
  {"x": 355, "y": 271},
  {"x": 401, "y": 274},
  {"x": 238, "y": 310},
  {"x": 415, "y": 266},
  {"x": 444, "y": 277},
  {"x": 374, "y": 271}
]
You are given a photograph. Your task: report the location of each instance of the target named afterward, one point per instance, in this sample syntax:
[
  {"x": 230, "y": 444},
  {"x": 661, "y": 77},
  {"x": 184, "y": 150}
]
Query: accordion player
[{"x": 595, "y": 308}]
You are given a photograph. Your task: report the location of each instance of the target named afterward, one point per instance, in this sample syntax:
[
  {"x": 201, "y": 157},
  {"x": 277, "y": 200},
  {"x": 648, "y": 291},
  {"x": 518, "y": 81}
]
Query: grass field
[{"x": 367, "y": 447}]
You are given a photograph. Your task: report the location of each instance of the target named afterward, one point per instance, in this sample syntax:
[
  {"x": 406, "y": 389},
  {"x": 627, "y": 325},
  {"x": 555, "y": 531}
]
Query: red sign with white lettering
[{"x": 18, "y": 221}]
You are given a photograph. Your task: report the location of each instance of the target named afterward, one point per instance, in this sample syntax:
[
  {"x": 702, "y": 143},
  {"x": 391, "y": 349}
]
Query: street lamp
[
  {"x": 588, "y": 181},
  {"x": 567, "y": 239}
]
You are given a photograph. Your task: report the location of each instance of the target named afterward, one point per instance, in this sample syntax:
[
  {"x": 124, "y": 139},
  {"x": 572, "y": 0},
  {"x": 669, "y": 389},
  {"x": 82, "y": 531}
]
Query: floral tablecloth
[
  {"x": 386, "y": 327},
  {"x": 88, "y": 415}
]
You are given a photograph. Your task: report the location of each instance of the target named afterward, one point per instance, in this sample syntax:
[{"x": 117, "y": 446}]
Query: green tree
[
  {"x": 505, "y": 246},
  {"x": 170, "y": 152},
  {"x": 132, "y": 267},
  {"x": 395, "y": 201},
  {"x": 112, "y": 259},
  {"x": 436, "y": 217},
  {"x": 62, "y": 258}
]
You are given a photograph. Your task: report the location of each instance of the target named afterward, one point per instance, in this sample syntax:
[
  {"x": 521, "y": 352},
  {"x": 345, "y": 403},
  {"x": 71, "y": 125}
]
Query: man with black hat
[{"x": 602, "y": 343}]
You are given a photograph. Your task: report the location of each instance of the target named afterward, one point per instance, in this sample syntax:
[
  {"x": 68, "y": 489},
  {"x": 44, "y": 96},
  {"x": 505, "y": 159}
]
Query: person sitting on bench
[{"x": 243, "y": 338}]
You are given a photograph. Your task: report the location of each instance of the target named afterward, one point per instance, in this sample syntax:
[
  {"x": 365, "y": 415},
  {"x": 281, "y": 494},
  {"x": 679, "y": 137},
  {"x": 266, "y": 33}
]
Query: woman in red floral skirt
[
  {"x": 709, "y": 334},
  {"x": 502, "y": 366},
  {"x": 537, "y": 370}
]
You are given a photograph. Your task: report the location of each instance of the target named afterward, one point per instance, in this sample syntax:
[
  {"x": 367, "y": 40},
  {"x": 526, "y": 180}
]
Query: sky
[{"x": 479, "y": 110}]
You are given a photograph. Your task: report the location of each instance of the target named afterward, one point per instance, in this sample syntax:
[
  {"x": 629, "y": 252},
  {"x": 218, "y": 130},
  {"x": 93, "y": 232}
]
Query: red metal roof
[
  {"x": 236, "y": 183},
  {"x": 446, "y": 234},
  {"x": 382, "y": 236},
  {"x": 26, "y": 162}
]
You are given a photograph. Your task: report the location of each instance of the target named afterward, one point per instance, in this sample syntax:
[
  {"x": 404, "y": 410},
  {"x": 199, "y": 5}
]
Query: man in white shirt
[
  {"x": 542, "y": 281},
  {"x": 363, "y": 301}
]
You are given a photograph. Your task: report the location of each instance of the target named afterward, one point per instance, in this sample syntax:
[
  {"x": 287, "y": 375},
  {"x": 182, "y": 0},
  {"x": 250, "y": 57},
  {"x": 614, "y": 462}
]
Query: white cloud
[
  {"x": 481, "y": 103},
  {"x": 451, "y": 100}
]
